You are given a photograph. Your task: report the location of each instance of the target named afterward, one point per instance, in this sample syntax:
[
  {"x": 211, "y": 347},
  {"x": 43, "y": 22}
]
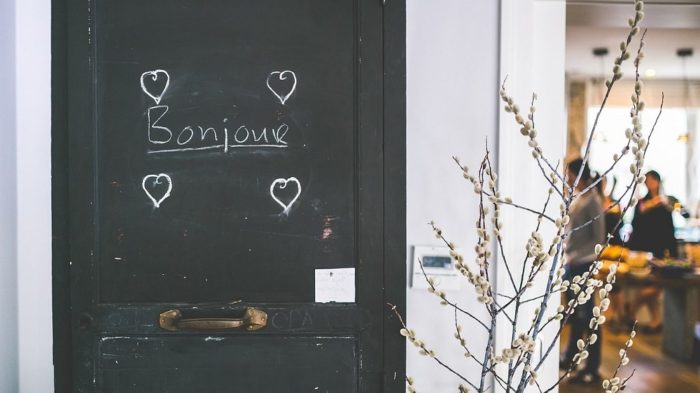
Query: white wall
[
  {"x": 452, "y": 102},
  {"x": 8, "y": 202},
  {"x": 33, "y": 40}
]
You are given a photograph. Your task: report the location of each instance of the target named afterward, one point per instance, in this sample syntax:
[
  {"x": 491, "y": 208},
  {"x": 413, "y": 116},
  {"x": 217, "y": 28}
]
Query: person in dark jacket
[
  {"x": 652, "y": 225},
  {"x": 652, "y": 231}
]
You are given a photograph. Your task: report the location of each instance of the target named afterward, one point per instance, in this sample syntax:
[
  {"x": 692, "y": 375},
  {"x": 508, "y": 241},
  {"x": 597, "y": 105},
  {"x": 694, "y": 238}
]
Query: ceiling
[{"x": 672, "y": 24}]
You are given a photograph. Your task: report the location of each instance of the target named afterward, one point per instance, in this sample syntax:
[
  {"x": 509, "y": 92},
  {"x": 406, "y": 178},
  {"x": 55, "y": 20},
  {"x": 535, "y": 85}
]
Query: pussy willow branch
[
  {"x": 619, "y": 61},
  {"x": 462, "y": 342},
  {"x": 446, "y": 300},
  {"x": 527, "y": 209},
  {"x": 619, "y": 364},
  {"x": 498, "y": 226},
  {"x": 490, "y": 307},
  {"x": 512, "y": 366},
  {"x": 452, "y": 248},
  {"x": 637, "y": 94},
  {"x": 624, "y": 54},
  {"x": 469, "y": 354},
  {"x": 440, "y": 362},
  {"x": 542, "y": 155},
  {"x": 597, "y": 181},
  {"x": 509, "y": 203},
  {"x": 537, "y": 150},
  {"x": 617, "y": 202}
]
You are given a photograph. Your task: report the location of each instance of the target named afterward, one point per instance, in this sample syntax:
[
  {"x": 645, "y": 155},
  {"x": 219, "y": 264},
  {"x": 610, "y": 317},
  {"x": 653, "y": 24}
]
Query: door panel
[
  {"x": 222, "y": 364},
  {"x": 225, "y": 234},
  {"x": 210, "y": 156}
]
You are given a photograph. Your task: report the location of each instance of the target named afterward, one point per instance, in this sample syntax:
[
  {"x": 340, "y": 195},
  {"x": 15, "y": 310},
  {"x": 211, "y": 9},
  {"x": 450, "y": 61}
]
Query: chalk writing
[
  {"x": 149, "y": 86},
  {"x": 291, "y": 320},
  {"x": 158, "y": 134},
  {"x": 282, "y": 185},
  {"x": 190, "y": 137},
  {"x": 163, "y": 137},
  {"x": 281, "y": 76},
  {"x": 156, "y": 180},
  {"x": 193, "y": 137}
]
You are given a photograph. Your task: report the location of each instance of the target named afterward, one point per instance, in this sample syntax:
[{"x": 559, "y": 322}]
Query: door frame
[{"x": 394, "y": 194}]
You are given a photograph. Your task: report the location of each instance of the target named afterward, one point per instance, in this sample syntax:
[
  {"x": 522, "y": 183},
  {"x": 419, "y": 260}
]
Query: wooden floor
[{"x": 655, "y": 372}]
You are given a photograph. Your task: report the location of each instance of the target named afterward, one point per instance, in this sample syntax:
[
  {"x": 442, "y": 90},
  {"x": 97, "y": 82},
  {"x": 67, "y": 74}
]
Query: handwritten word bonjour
[{"x": 198, "y": 137}]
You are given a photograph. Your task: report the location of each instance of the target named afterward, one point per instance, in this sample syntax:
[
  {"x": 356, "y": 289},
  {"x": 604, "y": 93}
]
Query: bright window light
[{"x": 667, "y": 153}]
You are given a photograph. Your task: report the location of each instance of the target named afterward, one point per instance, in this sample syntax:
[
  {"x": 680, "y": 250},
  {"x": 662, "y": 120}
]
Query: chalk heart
[
  {"x": 282, "y": 184},
  {"x": 155, "y": 83},
  {"x": 150, "y": 185},
  {"x": 282, "y": 84}
]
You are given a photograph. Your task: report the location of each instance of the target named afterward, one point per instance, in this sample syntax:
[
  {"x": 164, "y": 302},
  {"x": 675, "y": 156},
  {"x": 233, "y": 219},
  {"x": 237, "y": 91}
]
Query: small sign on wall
[{"x": 437, "y": 264}]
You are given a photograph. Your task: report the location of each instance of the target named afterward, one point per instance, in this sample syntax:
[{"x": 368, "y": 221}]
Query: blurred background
[{"x": 666, "y": 356}]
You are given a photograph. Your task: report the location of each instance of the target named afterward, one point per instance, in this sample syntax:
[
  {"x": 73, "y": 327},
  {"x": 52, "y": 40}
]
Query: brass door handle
[{"x": 253, "y": 319}]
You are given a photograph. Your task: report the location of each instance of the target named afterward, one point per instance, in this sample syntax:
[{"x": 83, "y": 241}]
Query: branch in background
[{"x": 617, "y": 75}]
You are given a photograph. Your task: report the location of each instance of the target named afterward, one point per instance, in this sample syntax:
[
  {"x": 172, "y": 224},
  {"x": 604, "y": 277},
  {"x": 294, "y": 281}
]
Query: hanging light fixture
[
  {"x": 684, "y": 54},
  {"x": 601, "y": 53}
]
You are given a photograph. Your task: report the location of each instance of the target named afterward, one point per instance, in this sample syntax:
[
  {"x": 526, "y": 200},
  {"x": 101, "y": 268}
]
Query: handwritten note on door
[{"x": 335, "y": 285}]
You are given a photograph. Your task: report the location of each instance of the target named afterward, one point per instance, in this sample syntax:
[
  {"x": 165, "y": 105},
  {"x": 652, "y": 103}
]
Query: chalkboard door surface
[{"x": 228, "y": 195}]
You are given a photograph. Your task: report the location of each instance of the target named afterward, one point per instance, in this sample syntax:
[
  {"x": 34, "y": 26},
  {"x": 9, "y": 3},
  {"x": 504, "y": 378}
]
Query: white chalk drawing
[
  {"x": 164, "y": 133},
  {"x": 283, "y": 184},
  {"x": 155, "y": 75},
  {"x": 282, "y": 75},
  {"x": 157, "y": 179},
  {"x": 213, "y": 147},
  {"x": 243, "y": 137}
]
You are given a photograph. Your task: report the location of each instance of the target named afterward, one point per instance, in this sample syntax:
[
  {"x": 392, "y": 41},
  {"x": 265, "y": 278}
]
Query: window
[{"x": 667, "y": 153}]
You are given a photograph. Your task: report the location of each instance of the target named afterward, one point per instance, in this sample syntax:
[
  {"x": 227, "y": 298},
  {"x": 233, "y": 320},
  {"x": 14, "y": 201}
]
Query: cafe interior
[{"x": 658, "y": 286}]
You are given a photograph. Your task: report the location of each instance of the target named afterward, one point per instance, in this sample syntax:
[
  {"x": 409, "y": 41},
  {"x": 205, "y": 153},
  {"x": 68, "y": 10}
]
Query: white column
[
  {"x": 33, "y": 42},
  {"x": 532, "y": 58},
  {"x": 8, "y": 203}
]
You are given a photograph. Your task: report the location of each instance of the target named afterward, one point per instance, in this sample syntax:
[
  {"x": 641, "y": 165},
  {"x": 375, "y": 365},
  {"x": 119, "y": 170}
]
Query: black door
[{"x": 228, "y": 195}]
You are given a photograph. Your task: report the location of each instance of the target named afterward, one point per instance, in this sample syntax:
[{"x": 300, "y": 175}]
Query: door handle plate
[{"x": 252, "y": 319}]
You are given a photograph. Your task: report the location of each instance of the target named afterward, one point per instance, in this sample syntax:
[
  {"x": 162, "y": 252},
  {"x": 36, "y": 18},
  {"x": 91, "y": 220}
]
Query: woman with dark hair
[
  {"x": 580, "y": 255},
  {"x": 652, "y": 231},
  {"x": 652, "y": 225}
]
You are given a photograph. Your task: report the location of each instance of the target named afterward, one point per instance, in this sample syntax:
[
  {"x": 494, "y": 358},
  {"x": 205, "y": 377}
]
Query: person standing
[
  {"x": 617, "y": 316},
  {"x": 652, "y": 225},
  {"x": 586, "y": 212},
  {"x": 652, "y": 231}
]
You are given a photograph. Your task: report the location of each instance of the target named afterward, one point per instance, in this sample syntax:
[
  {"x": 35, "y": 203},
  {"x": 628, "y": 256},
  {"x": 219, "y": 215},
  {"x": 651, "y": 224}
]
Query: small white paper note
[{"x": 335, "y": 285}]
